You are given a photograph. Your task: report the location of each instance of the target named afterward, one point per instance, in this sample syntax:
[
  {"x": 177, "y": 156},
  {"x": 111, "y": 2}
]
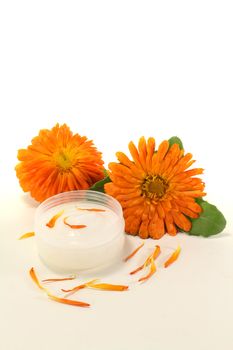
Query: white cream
[{"x": 67, "y": 249}]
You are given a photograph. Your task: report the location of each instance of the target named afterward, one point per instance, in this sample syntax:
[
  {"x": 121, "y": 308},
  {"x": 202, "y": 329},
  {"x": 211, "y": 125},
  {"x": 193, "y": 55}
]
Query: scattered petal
[
  {"x": 27, "y": 235},
  {"x": 151, "y": 272},
  {"x": 134, "y": 252},
  {"x": 107, "y": 286},
  {"x": 137, "y": 269},
  {"x": 92, "y": 209},
  {"x": 35, "y": 279},
  {"x": 173, "y": 257},
  {"x": 72, "y": 226},
  {"x": 75, "y": 289},
  {"x": 53, "y": 297},
  {"x": 53, "y": 220},
  {"x": 154, "y": 255},
  {"x": 59, "y": 279},
  {"x": 80, "y": 286},
  {"x": 68, "y": 301},
  {"x": 103, "y": 286}
]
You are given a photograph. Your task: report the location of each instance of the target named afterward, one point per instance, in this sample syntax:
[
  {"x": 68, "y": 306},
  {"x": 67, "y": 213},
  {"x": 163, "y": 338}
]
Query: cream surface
[
  {"x": 100, "y": 226},
  {"x": 65, "y": 248}
]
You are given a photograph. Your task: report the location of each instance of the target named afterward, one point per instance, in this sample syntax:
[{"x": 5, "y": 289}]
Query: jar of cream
[{"x": 79, "y": 230}]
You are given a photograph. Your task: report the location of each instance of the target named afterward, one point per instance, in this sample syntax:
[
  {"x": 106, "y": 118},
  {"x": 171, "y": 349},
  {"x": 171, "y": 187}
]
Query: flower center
[
  {"x": 63, "y": 160},
  {"x": 154, "y": 187}
]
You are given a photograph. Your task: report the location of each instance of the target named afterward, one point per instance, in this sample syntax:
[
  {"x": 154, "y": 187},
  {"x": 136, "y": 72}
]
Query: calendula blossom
[
  {"x": 57, "y": 161},
  {"x": 156, "y": 190}
]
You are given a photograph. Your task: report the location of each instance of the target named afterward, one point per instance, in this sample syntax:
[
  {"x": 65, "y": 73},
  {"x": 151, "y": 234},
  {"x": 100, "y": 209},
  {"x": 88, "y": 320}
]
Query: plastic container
[{"x": 65, "y": 248}]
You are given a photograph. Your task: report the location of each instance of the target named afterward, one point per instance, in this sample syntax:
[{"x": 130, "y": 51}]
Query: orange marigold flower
[
  {"x": 155, "y": 189},
  {"x": 57, "y": 161}
]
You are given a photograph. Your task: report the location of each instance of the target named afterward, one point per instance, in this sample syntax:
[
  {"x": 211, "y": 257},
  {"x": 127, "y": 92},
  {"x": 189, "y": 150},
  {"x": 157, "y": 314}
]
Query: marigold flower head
[
  {"x": 155, "y": 189},
  {"x": 57, "y": 161}
]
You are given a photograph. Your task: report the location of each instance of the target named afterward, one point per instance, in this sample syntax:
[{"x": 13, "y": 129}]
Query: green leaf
[
  {"x": 105, "y": 173},
  {"x": 175, "y": 139},
  {"x": 99, "y": 186},
  {"x": 199, "y": 200},
  {"x": 210, "y": 222}
]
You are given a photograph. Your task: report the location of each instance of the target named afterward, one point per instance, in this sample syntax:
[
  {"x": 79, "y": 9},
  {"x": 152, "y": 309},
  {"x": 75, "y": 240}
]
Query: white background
[{"x": 116, "y": 70}]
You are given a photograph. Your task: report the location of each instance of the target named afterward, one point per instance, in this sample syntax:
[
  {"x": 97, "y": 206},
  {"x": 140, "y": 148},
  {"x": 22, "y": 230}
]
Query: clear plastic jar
[{"x": 66, "y": 248}]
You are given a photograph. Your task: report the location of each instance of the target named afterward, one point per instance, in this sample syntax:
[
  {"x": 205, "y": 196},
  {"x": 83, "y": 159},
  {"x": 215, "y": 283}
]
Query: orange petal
[
  {"x": 72, "y": 226},
  {"x": 75, "y": 289},
  {"x": 128, "y": 221},
  {"x": 107, "y": 286},
  {"x": 142, "y": 151},
  {"x": 68, "y": 301},
  {"x": 143, "y": 229},
  {"x": 27, "y": 235},
  {"x": 133, "y": 211},
  {"x": 170, "y": 226},
  {"x": 134, "y": 252},
  {"x": 160, "y": 210},
  {"x": 158, "y": 157},
  {"x": 80, "y": 286},
  {"x": 135, "y": 171},
  {"x": 171, "y": 160},
  {"x": 132, "y": 226},
  {"x": 121, "y": 170},
  {"x": 123, "y": 159},
  {"x": 173, "y": 257},
  {"x": 153, "y": 256},
  {"x": 91, "y": 209},
  {"x": 53, "y": 297},
  {"x": 181, "y": 221},
  {"x": 150, "y": 151},
  {"x": 137, "y": 269},
  {"x": 133, "y": 202},
  {"x": 135, "y": 155},
  {"x": 188, "y": 203},
  {"x": 53, "y": 220},
  {"x": 123, "y": 182},
  {"x": 129, "y": 196},
  {"x": 59, "y": 279},
  {"x": 186, "y": 174},
  {"x": 157, "y": 229},
  {"x": 151, "y": 272},
  {"x": 156, "y": 252},
  {"x": 162, "y": 150},
  {"x": 35, "y": 279},
  {"x": 189, "y": 212}
]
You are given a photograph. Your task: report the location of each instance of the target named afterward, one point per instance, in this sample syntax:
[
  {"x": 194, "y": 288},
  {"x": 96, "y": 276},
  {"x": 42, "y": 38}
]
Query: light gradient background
[{"x": 116, "y": 70}]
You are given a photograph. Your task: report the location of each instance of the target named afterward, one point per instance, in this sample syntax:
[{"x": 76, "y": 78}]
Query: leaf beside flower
[
  {"x": 210, "y": 222},
  {"x": 99, "y": 186},
  {"x": 175, "y": 139}
]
